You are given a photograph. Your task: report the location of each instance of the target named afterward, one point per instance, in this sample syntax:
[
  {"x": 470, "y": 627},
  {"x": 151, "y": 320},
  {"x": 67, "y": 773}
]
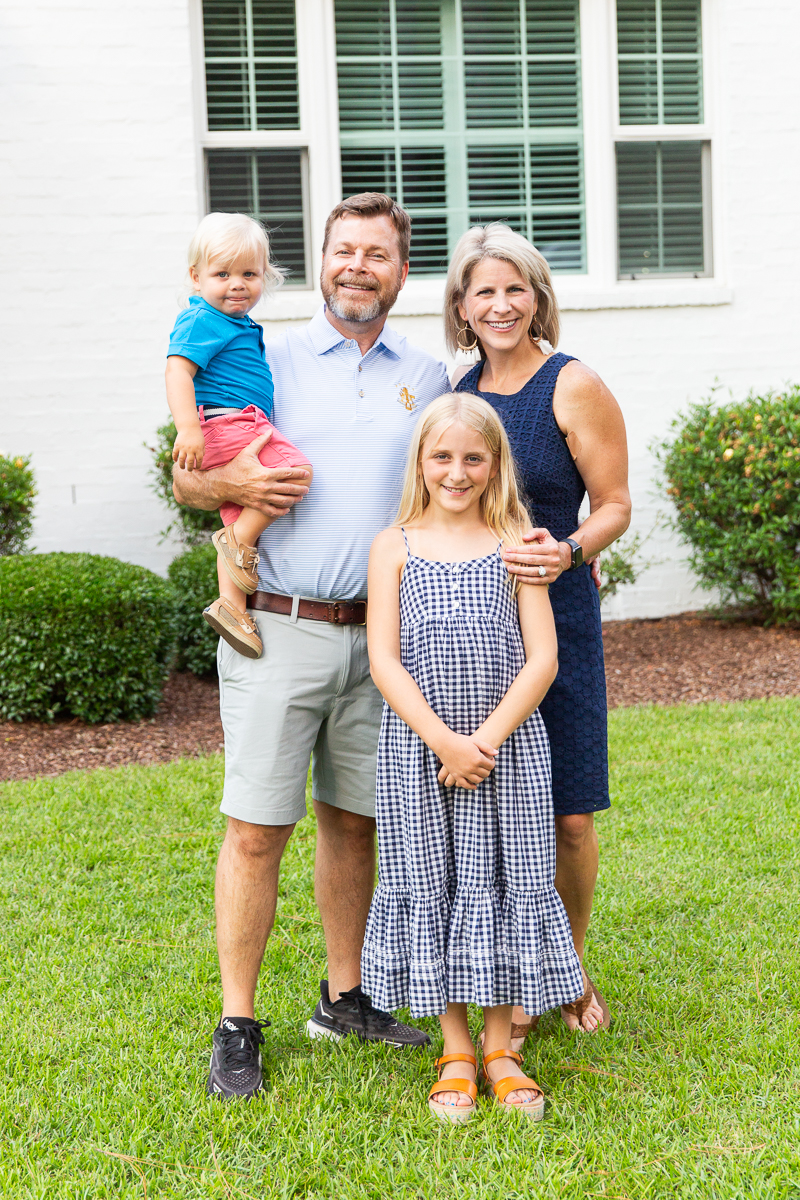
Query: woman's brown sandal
[
  {"x": 578, "y": 1007},
  {"x": 534, "y": 1109},
  {"x": 456, "y": 1113}
]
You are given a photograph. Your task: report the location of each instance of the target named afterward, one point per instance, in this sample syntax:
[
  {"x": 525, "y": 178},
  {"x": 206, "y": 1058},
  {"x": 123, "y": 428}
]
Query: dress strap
[{"x": 405, "y": 539}]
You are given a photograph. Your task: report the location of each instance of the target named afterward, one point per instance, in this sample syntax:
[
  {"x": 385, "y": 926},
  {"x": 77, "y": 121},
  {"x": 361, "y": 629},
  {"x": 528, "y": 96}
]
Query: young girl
[
  {"x": 219, "y": 390},
  {"x": 465, "y": 911}
]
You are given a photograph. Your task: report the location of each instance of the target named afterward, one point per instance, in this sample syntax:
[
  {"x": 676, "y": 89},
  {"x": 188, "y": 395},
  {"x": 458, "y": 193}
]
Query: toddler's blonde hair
[
  {"x": 229, "y": 238},
  {"x": 501, "y": 504}
]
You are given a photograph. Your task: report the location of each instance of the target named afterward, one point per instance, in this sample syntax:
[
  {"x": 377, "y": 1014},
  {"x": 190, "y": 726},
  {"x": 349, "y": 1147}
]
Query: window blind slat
[{"x": 267, "y": 185}]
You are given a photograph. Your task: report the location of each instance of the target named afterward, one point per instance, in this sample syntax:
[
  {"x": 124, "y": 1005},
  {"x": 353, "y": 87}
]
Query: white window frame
[{"x": 599, "y": 288}]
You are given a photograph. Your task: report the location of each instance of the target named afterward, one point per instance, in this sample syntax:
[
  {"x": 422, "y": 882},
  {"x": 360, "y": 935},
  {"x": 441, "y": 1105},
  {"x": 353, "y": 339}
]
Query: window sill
[{"x": 424, "y": 297}]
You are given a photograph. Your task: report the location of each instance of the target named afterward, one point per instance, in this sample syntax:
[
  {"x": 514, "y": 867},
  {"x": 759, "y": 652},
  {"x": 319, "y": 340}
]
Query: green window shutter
[
  {"x": 466, "y": 111},
  {"x": 660, "y": 200},
  {"x": 267, "y": 185},
  {"x": 659, "y": 48},
  {"x": 251, "y": 64}
]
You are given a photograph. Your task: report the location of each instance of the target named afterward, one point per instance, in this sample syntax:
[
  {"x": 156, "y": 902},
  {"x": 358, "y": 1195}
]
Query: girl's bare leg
[
  {"x": 497, "y": 1036},
  {"x": 456, "y": 1041}
]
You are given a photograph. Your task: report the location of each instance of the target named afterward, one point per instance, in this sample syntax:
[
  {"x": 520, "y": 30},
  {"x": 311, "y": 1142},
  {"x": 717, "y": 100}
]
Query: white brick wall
[{"x": 100, "y": 148}]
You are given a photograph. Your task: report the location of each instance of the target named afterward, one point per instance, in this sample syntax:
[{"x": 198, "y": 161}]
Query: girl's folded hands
[{"x": 466, "y": 761}]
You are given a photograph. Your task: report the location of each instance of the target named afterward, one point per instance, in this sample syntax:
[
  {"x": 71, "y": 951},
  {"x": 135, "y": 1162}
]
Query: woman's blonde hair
[
  {"x": 229, "y": 238},
  {"x": 498, "y": 241},
  {"x": 501, "y": 505}
]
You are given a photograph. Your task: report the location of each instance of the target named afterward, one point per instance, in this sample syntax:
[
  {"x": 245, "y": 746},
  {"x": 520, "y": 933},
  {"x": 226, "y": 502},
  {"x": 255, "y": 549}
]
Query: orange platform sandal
[
  {"x": 456, "y": 1113},
  {"x": 534, "y": 1109}
]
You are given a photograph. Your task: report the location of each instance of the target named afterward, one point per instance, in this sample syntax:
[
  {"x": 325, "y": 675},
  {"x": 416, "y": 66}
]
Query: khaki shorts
[{"x": 310, "y": 695}]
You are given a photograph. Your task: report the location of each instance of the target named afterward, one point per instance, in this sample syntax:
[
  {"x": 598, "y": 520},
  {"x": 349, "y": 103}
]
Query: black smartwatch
[{"x": 577, "y": 553}]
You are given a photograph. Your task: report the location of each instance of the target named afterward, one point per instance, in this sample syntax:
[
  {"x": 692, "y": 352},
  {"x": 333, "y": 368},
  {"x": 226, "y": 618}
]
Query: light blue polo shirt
[
  {"x": 353, "y": 418},
  {"x": 229, "y": 351}
]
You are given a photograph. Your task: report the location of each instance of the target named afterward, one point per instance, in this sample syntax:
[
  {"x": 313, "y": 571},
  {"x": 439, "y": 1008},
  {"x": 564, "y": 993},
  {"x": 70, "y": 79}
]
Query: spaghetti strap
[{"x": 405, "y": 539}]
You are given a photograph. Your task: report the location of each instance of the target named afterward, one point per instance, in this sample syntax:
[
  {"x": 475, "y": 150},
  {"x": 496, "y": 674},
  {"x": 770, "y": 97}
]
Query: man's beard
[{"x": 358, "y": 309}]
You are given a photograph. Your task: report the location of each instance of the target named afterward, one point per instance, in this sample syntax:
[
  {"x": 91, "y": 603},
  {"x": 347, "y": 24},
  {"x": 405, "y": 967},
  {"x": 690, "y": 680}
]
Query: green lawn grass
[{"x": 109, "y": 995}]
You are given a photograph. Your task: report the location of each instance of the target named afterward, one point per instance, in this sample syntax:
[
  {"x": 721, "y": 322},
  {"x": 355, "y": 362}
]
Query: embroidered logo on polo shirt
[{"x": 407, "y": 398}]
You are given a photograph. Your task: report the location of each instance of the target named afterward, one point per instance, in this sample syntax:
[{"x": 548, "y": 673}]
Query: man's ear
[{"x": 403, "y": 274}]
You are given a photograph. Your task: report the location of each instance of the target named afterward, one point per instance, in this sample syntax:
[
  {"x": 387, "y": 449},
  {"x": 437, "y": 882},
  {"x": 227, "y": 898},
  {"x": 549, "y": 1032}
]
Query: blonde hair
[
  {"x": 229, "y": 238},
  {"x": 498, "y": 241},
  {"x": 501, "y": 504}
]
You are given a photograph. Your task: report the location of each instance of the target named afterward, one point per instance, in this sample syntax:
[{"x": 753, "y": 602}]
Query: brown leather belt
[{"x": 336, "y": 612}]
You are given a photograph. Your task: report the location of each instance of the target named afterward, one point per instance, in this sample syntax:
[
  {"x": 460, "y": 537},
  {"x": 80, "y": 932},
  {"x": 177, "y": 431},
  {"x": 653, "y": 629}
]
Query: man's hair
[{"x": 373, "y": 204}]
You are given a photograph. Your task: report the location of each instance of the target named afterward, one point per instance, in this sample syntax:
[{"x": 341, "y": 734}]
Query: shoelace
[
  {"x": 240, "y": 1046},
  {"x": 366, "y": 1008},
  {"x": 247, "y": 558}
]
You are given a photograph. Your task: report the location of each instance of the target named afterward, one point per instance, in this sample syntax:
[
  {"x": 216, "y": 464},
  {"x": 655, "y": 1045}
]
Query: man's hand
[
  {"x": 466, "y": 762},
  {"x": 189, "y": 449},
  {"x": 271, "y": 490},
  {"x": 525, "y": 561}
]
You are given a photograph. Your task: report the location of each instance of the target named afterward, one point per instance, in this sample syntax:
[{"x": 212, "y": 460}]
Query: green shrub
[
  {"x": 733, "y": 472},
  {"x": 620, "y": 564},
  {"x": 193, "y": 526},
  {"x": 83, "y": 635},
  {"x": 193, "y": 576},
  {"x": 17, "y": 494}
]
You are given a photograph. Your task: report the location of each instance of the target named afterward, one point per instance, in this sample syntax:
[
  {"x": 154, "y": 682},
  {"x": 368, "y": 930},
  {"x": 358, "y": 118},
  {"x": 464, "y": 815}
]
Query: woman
[{"x": 568, "y": 438}]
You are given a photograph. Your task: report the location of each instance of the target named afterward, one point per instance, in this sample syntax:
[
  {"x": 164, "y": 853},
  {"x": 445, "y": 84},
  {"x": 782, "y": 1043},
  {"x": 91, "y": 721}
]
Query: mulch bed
[{"x": 669, "y": 661}]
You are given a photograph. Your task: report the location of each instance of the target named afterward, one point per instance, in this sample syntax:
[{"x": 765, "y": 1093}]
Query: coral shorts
[{"x": 226, "y": 436}]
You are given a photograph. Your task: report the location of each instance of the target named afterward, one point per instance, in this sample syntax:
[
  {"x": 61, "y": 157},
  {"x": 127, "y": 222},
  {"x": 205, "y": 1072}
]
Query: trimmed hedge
[
  {"x": 82, "y": 634},
  {"x": 733, "y": 472},
  {"x": 193, "y": 576}
]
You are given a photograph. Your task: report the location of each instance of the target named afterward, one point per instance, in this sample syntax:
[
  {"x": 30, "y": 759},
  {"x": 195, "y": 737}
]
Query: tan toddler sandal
[
  {"x": 238, "y": 629},
  {"x": 534, "y": 1109},
  {"x": 240, "y": 561},
  {"x": 456, "y": 1113}
]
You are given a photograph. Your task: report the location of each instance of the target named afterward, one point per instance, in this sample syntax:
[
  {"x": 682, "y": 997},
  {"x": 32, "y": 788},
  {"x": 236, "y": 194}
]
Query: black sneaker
[
  {"x": 236, "y": 1058},
  {"x": 353, "y": 1013}
]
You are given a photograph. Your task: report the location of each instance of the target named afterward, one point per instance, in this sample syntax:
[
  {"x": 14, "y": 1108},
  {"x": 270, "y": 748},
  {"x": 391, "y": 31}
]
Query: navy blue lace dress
[{"x": 574, "y": 710}]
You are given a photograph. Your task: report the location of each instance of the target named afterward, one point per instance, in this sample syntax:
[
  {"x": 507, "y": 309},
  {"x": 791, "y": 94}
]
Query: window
[
  {"x": 466, "y": 111},
  {"x": 251, "y": 74},
  {"x": 662, "y": 185}
]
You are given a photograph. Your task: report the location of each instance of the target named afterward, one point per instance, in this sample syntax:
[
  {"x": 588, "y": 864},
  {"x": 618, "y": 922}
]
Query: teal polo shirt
[{"x": 232, "y": 371}]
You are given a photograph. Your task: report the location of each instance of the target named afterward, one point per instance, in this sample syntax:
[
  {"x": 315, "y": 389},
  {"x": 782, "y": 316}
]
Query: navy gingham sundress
[{"x": 465, "y": 910}]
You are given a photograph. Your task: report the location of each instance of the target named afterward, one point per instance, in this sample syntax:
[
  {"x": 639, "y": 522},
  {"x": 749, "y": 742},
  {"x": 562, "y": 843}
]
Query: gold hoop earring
[
  {"x": 459, "y": 342},
  {"x": 535, "y": 334}
]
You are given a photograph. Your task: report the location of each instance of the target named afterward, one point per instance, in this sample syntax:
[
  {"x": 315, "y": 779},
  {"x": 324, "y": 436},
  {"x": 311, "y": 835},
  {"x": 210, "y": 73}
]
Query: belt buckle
[{"x": 365, "y": 613}]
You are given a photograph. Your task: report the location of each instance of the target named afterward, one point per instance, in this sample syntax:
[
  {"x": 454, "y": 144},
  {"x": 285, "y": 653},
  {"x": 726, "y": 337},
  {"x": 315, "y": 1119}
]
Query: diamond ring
[{"x": 542, "y": 572}]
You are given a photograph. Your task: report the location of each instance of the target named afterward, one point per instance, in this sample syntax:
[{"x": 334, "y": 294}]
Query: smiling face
[
  {"x": 456, "y": 466},
  {"x": 362, "y": 272},
  {"x": 233, "y": 289},
  {"x": 499, "y": 304}
]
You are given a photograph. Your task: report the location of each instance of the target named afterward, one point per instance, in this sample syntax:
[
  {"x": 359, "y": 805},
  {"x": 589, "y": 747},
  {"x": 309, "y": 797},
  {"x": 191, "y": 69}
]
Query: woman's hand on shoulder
[{"x": 539, "y": 561}]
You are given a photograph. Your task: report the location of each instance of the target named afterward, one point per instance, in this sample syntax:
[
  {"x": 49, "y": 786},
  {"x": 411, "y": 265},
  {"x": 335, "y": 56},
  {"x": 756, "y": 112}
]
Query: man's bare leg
[
  {"x": 344, "y": 880},
  {"x": 576, "y": 876},
  {"x": 246, "y": 896}
]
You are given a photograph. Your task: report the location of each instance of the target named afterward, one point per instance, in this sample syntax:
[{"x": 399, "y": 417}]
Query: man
[{"x": 347, "y": 392}]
